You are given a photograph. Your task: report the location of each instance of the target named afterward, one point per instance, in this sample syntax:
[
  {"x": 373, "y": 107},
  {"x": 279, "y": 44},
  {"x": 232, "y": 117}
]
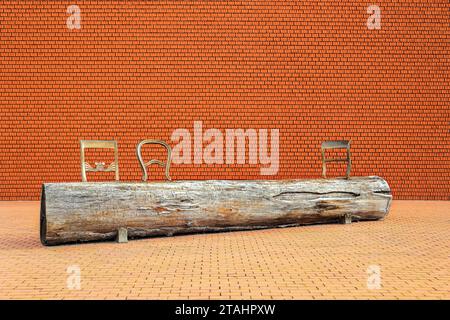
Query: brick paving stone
[{"x": 411, "y": 247}]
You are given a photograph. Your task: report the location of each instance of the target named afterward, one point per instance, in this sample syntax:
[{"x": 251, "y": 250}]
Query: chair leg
[
  {"x": 349, "y": 164},
  {"x": 83, "y": 166},
  {"x": 324, "y": 165}
]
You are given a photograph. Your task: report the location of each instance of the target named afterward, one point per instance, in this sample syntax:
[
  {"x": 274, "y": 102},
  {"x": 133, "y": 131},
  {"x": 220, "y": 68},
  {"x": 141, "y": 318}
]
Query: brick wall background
[{"x": 140, "y": 69}]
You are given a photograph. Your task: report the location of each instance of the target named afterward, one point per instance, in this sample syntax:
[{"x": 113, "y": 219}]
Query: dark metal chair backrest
[{"x": 336, "y": 144}]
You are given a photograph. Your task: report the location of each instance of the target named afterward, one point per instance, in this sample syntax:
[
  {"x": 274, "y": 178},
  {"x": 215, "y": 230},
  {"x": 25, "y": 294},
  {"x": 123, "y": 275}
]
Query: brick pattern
[
  {"x": 140, "y": 69},
  {"x": 410, "y": 246}
]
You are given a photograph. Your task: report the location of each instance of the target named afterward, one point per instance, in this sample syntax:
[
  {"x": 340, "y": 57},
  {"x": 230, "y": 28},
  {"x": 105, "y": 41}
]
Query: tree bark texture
[{"x": 80, "y": 212}]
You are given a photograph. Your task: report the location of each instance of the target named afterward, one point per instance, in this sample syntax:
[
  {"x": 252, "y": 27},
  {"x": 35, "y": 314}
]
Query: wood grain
[{"x": 78, "y": 212}]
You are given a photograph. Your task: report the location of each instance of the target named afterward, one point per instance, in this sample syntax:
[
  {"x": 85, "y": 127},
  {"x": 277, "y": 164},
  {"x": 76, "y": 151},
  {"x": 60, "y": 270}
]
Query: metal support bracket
[
  {"x": 122, "y": 235},
  {"x": 346, "y": 218}
]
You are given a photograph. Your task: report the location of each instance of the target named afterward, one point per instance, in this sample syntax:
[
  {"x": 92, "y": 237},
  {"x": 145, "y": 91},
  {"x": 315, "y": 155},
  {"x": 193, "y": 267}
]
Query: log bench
[{"x": 81, "y": 212}]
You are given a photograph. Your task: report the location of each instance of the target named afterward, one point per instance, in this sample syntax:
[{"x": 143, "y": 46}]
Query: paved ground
[{"x": 411, "y": 248}]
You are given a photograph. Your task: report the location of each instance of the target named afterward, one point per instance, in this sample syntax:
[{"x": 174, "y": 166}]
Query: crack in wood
[{"x": 353, "y": 194}]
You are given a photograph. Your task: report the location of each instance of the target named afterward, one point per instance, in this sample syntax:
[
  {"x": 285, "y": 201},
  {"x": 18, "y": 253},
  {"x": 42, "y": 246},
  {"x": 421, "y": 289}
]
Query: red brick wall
[{"x": 312, "y": 69}]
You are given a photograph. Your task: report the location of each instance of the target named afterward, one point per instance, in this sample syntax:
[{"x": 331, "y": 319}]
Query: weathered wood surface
[{"x": 78, "y": 212}]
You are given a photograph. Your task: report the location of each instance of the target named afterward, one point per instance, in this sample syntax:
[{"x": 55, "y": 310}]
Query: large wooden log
[{"x": 78, "y": 212}]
